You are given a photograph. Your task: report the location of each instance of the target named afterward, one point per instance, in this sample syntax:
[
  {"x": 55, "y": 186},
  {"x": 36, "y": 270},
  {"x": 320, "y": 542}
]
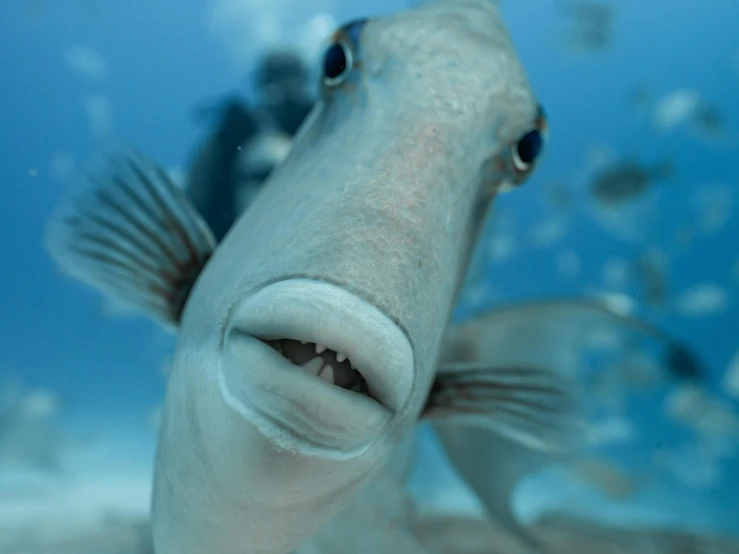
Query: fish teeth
[
  {"x": 340, "y": 357},
  {"x": 327, "y": 374},
  {"x": 320, "y": 348},
  {"x": 313, "y": 366}
]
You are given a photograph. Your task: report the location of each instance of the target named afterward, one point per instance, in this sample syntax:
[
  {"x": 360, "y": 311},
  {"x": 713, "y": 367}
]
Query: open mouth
[
  {"x": 335, "y": 368},
  {"x": 329, "y": 334}
]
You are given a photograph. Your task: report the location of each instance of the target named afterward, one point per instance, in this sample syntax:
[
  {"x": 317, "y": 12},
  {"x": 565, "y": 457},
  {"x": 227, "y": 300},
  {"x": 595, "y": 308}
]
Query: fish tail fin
[{"x": 133, "y": 235}]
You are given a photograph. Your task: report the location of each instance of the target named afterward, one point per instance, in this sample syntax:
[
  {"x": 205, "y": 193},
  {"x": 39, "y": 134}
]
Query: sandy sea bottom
[{"x": 103, "y": 488}]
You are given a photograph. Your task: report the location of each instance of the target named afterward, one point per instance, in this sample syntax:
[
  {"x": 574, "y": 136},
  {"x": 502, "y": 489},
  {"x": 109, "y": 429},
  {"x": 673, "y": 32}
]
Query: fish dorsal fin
[{"x": 132, "y": 234}]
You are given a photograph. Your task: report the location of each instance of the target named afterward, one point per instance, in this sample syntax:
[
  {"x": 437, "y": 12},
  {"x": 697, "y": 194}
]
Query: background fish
[{"x": 626, "y": 181}]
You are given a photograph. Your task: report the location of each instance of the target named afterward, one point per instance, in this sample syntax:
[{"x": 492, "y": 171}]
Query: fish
[
  {"x": 621, "y": 183},
  {"x": 591, "y": 25},
  {"x": 308, "y": 338}
]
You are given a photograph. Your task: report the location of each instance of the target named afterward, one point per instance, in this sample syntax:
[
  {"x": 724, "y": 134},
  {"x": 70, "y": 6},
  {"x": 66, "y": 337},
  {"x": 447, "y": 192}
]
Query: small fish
[
  {"x": 308, "y": 338},
  {"x": 592, "y": 25},
  {"x": 626, "y": 181}
]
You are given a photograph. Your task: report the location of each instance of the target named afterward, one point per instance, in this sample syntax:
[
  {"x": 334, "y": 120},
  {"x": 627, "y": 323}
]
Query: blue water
[{"x": 163, "y": 58}]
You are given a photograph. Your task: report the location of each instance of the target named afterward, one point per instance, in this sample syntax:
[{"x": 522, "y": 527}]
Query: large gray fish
[{"x": 309, "y": 339}]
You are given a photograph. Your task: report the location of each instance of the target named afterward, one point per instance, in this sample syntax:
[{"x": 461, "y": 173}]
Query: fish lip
[
  {"x": 325, "y": 313},
  {"x": 293, "y": 408}
]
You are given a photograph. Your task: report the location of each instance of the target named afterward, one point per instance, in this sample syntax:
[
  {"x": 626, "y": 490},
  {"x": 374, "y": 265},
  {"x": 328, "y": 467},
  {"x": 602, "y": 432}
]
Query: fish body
[
  {"x": 308, "y": 338},
  {"x": 379, "y": 205}
]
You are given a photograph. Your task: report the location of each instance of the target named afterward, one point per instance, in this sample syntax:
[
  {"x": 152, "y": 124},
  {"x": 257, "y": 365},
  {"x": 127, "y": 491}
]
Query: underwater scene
[{"x": 420, "y": 276}]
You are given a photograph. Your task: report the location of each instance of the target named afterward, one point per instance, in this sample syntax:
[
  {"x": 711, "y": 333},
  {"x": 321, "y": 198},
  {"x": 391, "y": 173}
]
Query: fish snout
[{"x": 317, "y": 361}]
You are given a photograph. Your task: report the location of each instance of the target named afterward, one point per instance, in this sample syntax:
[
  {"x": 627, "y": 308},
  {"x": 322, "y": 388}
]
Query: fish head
[{"x": 355, "y": 249}]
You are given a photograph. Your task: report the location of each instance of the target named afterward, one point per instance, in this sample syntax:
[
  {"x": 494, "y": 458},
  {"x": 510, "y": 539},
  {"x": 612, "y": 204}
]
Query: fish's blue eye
[
  {"x": 527, "y": 149},
  {"x": 336, "y": 63}
]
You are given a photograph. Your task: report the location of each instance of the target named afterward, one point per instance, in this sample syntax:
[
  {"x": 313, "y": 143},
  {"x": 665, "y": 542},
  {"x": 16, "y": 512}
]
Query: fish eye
[
  {"x": 527, "y": 149},
  {"x": 337, "y": 62}
]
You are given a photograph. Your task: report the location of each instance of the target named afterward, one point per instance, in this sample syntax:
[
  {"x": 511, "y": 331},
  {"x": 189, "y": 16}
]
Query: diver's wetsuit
[{"x": 212, "y": 184}]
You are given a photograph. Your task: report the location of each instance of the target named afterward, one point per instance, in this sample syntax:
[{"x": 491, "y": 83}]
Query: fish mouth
[
  {"x": 323, "y": 362},
  {"x": 335, "y": 368}
]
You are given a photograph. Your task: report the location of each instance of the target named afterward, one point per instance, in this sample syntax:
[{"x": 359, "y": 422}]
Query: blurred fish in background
[{"x": 591, "y": 24}]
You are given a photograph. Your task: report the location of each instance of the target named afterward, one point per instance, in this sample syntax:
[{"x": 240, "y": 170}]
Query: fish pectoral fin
[
  {"x": 536, "y": 408},
  {"x": 132, "y": 234}
]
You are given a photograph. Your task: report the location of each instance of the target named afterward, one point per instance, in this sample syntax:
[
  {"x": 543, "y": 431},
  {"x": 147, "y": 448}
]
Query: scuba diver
[{"x": 247, "y": 143}]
